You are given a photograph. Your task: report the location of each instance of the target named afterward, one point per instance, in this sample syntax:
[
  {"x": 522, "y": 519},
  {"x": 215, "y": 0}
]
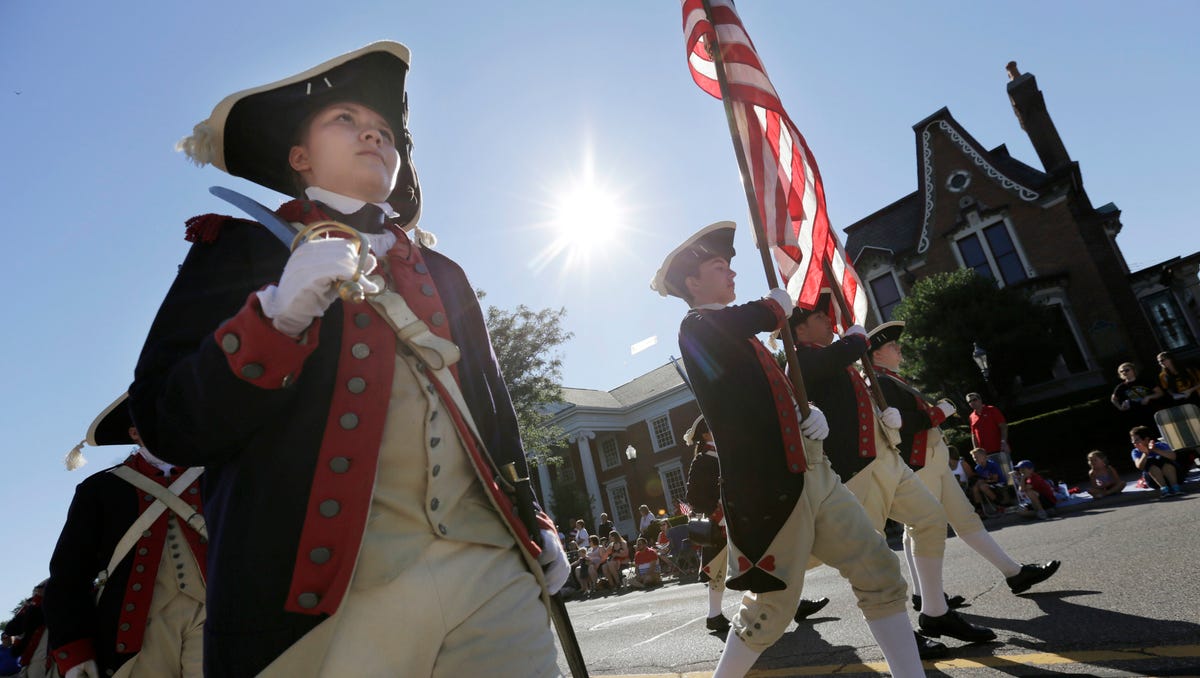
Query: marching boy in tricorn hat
[
  {"x": 781, "y": 499},
  {"x": 361, "y": 523}
]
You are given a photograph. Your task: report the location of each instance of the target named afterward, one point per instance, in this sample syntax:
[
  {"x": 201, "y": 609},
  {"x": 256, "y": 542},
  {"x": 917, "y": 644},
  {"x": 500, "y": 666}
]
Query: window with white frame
[
  {"x": 566, "y": 470},
  {"x": 618, "y": 498},
  {"x": 673, "y": 482},
  {"x": 887, "y": 294},
  {"x": 660, "y": 430},
  {"x": 989, "y": 248},
  {"x": 610, "y": 457}
]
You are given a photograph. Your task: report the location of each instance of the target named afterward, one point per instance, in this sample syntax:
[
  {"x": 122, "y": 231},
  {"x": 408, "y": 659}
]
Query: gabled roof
[
  {"x": 645, "y": 387},
  {"x": 903, "y": 226}
]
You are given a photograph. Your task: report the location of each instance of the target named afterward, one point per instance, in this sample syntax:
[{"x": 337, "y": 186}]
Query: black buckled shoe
[
  {"x": 1030, "y": 575},
  {"x": 718, "y": 623},
  {"x": 808, "y": 608},
  {"x": 951, "y": 624},
  {"x": 952, "y": 602},
  {"x": 930, "y": 649}
]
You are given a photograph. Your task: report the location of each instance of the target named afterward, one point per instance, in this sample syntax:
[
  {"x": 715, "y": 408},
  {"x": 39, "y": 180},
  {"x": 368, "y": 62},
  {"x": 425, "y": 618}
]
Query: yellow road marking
[{"x": 1025, "y": 659}]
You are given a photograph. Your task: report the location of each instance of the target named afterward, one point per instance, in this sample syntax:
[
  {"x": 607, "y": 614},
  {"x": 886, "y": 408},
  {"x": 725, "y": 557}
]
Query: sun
[{"x": 584, "y": 221}]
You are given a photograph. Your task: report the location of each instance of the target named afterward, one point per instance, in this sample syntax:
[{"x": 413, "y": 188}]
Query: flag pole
[{"x": 785, "y": 331}]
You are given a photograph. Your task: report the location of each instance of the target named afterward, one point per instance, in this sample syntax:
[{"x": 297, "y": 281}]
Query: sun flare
[{"x": 584, "y": 221}]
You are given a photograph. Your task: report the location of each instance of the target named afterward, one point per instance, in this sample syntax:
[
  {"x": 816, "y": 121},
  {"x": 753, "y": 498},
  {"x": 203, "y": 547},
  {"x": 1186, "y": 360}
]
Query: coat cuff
[
  {"x": 73, "y": 654},
  {"x": 779, "y": 312},
  {"x": 936, "y": 417},
  {"x": 260, "y": 354}
]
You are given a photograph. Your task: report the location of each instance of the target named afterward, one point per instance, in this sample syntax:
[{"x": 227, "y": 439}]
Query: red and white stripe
[{"x": 787, "y": 183}]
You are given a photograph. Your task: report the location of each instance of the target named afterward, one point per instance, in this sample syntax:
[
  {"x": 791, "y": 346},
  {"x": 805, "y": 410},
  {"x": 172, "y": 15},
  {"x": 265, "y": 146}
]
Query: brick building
[{"x": 1031, "y": 228}]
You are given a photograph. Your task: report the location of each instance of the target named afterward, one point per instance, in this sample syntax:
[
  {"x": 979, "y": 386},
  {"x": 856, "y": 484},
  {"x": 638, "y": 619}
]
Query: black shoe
[
  {"x": 952, "y": 602},
  {"x": 808, "y": 608},
  {"x": 718, "y": 623},
  {"x": 1030, "y": 575},
  {"x": 950, "y": 624},
  {"x": 930, "y": 649}
]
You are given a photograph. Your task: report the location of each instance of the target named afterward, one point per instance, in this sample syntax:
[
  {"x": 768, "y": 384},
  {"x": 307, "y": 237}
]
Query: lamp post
[
  {"x": 980, "y": 357},
  {"x": 631, "y": 453}
]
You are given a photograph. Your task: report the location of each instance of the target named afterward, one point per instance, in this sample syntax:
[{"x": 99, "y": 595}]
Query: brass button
[
  {"x": 139, "y": 568},
  {"x": 437, "y": 318},
  {"x": 124, "y": 627},
  {"x": 361, "y": 320},
  {"x": 252, "y": 371},
  {"x": 339, "y": 464},
  {"x": 433, "y": 416},
  {"x": 194, "y": 490},
  {"x": 129, "y": 607},
  {"x": 63, "y": 655},
  {"x": 136, "y": 587},
  {"x": 356, "y": 385},
  {"x": 442, "y": 529},
  {"x": 308, "y": 600},
  {"x": 230, "y": 343},
  {"x": 434, "y": 504},
  {"x": 437, "y": 468},
  {"x": 348, "y": 421},
  {"x": 433, "y": 442},
  {"x": 330, "y": 508},
  {"x": 320, "y": 555},
  {"x": 421, "y": 268},
  {"x": 146, "y": 534},
  {"x": 120, "y": 647},
  {"x": 427, "y": 290},
  {"x": 286, "y": 381},
  {"x": 148, "y": 497},
  {"x": 360, "y": 350}
]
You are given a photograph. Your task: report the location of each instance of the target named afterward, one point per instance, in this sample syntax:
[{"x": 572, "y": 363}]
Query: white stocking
[{"x": 895, "y": 637}]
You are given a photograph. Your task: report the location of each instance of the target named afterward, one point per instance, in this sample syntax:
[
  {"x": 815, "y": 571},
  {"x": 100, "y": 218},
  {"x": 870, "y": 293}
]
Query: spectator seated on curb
[
  {"x": 990, "y": 487},
  {"x": 1037, "y": 491},
  {"x": 1156, "y": 460},
  {"x": 1103, "y": 479},
  {"x": 962, "y": 471},
  {"x": 646, "y": 561}
]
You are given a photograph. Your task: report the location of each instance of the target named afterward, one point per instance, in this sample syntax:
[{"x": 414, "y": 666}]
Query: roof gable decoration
[{"x": 971, "y": 152}]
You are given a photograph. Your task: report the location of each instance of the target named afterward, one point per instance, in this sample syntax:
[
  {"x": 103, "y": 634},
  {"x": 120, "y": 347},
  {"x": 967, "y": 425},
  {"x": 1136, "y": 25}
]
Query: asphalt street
[{"x": 1124, "y": 603}]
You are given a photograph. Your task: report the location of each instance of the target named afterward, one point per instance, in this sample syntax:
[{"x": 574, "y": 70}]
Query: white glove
[
  {"x": 947, "y": 408},
  {"x": 891, "y": 418},
  {"x": 815, "y": 427},
  {"x": 87, "y": 669},
  {"x": 855, "y": 329},
  {"x": 307, "y": 286},
  {"x": 553, "y": 560},
  {"x": 781, "y": 297}
]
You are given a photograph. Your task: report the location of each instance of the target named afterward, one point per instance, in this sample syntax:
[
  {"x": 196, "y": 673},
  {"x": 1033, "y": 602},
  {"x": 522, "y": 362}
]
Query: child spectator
[
  {"x": 1036, "y": 489},
  {"x": 646, "y": 560},
  {"x": 962, "y": 471},
  {"x": 1156, "y": 460},
  {"x": 988, "y": 477},
  {"x": 1104, "y": 479}
]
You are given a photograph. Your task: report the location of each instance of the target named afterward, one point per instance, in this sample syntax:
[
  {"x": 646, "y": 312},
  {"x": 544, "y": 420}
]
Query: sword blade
[{"x": 257, "y": 211}]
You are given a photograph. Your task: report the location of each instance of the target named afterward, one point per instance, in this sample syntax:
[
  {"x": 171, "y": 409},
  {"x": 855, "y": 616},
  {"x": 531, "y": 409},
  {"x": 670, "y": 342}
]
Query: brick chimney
[{"x": 1030, "y": 107}]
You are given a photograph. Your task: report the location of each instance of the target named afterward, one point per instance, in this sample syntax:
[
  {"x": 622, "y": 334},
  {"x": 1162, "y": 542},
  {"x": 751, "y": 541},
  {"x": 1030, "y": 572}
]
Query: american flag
[{"x": 787, "y": 183}]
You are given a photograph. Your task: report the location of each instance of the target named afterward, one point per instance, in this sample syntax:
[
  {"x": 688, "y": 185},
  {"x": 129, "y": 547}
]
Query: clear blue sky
[{"x": 508, "y": 100}]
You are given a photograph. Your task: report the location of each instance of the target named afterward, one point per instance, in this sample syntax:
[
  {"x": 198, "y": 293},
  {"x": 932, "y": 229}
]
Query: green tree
[
  {"x": 946, "y": 314},
  {"x": 526, "y": 343}
]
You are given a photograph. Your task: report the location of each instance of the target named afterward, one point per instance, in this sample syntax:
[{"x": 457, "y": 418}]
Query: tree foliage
[
  {"x": 526, "y": 343},
  {"x": 946, "y": 314}
]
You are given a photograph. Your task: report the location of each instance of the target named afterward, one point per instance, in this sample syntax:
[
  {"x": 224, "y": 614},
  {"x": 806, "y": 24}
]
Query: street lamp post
[
  {"x": 980, "y": 356},
  {"x": 631, "y": 453}
]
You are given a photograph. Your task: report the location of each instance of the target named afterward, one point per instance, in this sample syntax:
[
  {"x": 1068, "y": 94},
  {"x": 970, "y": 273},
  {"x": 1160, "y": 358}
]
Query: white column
[
  {"x": 547, "y": 491},
  {"x": 589, "y": 472}
]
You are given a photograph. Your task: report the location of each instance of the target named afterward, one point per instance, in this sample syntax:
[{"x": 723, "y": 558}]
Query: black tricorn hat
[
  {"x": 698, "y": 428},
  {"x": 714, "y": 240},
  {"x": 885, "y": 333},
  {"x": 110, "y": 427},
  {"x": 800, "y": 314},
  {"x": 250, "y": 133}
]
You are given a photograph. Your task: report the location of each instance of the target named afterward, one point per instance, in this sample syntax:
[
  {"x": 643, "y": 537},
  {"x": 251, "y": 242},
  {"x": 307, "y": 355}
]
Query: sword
[
  {"x": 271, "y": 221},
  {"x": 558, "y": 609}
]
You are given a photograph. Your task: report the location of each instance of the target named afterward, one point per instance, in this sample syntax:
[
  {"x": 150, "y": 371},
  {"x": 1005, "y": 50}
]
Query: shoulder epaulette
[{"x": 205, "y": 228}]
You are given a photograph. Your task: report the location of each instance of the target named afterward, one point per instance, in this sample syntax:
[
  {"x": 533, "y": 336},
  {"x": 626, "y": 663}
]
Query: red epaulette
[{"x": 205, "y": 227}]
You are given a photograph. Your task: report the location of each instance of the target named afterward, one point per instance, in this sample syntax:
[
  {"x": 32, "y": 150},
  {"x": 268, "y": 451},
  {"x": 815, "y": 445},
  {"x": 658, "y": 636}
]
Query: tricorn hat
[
  {"x": 714, "y": 240},
  {"x": 111, "y": 427},
  {"x": 250, "y": 133},
  {"x": 885, "y": 333},
  {"x": 800, "y": 314},
  {"x": 692, "y": 435}
]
